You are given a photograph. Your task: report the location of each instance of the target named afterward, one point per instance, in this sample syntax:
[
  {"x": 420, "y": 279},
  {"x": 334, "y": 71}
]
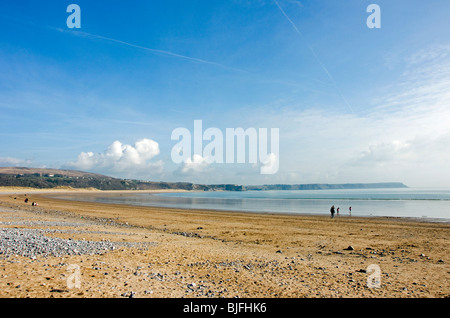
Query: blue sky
[{"x": 352, "y": 104}]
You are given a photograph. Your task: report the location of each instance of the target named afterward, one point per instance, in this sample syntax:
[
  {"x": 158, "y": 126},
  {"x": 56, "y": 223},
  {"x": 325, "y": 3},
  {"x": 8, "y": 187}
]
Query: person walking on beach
[
  {"x": 332, "y": 211},
  {"x": 350, "y": 210},
  {"x": 337, "y": 211}
]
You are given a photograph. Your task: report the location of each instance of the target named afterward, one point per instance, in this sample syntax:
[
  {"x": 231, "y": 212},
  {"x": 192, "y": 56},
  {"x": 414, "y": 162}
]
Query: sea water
[{"x": 426, "y": 204}]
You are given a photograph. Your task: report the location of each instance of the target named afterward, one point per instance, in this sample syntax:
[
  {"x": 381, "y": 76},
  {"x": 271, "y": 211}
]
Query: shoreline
[
  {"x": 204, "y": 253},
  {"x": 343, "y": 215}
]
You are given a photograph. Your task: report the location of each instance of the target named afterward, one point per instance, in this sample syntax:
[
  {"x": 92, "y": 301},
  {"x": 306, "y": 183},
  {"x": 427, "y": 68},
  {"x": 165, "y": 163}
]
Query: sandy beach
[{"x": 162, "y": 252}]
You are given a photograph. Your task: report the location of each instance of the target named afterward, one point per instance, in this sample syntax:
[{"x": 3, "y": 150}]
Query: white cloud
[
  {"x": 122, "y": 160},
  {"x": 270, "y": 164},
  {"x": 438, "y": 51},
  {"x": 197, "y": 164},
  {"x": 386, "y": 152},
  {"x": 9, "y": 161}
]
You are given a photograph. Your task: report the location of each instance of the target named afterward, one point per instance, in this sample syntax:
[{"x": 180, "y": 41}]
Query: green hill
[{"x": 52, "y": 178}]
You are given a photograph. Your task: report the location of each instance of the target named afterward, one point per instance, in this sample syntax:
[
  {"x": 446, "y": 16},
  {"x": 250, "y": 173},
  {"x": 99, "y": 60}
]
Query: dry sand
[{"x": 193, "y": 253}]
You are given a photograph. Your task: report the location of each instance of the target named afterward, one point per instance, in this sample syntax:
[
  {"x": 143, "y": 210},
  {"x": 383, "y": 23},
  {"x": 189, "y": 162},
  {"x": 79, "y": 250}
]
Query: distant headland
[{"x": 42, "y": 178}]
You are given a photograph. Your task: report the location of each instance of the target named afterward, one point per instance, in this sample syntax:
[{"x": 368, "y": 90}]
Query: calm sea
[{"x": 426, "y": 204}]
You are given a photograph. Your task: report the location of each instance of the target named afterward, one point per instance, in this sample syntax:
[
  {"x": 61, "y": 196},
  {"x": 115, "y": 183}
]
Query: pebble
[{"x": 33, "y": 242}]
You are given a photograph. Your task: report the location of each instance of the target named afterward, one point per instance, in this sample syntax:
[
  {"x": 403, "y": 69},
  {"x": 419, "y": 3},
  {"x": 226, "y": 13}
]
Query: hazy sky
[{"x": 352, "y": 103}]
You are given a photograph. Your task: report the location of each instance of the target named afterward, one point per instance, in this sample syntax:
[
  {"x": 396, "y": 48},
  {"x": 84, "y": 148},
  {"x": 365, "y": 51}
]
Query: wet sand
[{"x": 195, "y": 253}]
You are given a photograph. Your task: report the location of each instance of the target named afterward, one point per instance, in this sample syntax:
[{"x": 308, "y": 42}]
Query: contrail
[
  {"x": 315, "y": 55},
  {"x": 164, "y": 52},
  {"x": 157, "y": 51}
]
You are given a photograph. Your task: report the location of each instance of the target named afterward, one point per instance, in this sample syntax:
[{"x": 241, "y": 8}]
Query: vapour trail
[
  {"x": 157, "y": 51},
  {"x": 315, "y": 55}
]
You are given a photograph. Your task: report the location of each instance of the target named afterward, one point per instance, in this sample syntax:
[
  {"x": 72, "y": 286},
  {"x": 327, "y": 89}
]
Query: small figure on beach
[
  {"x": 332, "y": 211},
  {"x": 26, "y": 200},
  {"x": 350, "y": 210},
  {"x": 337, "y": 211}
]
